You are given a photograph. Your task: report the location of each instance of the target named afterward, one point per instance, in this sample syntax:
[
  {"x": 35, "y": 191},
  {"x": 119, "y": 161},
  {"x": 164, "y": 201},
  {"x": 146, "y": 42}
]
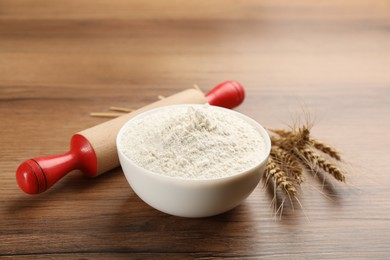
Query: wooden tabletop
[{"x": 61, "y": 60}]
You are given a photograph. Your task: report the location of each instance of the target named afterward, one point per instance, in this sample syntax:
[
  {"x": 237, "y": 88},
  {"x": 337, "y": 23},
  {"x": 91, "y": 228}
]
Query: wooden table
[{"x": 60, "y": 60}]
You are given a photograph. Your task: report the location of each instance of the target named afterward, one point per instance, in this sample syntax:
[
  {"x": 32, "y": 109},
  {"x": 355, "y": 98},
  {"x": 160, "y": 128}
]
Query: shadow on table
[
  {"x": 284, "y": 206},
  {"x": 74, "y": 185}
]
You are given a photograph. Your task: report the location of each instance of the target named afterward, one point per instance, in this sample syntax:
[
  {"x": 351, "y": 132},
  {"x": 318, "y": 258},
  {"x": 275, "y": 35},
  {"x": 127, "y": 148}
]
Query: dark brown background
[{"x": 60, "y": 60}]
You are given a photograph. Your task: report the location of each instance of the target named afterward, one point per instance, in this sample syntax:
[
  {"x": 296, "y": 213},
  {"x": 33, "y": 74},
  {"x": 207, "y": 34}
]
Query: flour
[{"x": 193, "y": 142}]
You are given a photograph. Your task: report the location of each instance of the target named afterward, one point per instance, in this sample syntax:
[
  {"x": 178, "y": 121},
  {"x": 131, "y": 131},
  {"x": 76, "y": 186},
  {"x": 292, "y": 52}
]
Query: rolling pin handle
[
  {"x": 228, "y": 94},
  {"x": 39, "y": 174}
]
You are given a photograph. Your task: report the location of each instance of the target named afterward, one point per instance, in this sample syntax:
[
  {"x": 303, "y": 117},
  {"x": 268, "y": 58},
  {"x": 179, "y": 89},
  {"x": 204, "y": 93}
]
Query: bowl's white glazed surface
[{"x": 191, "y": 197}]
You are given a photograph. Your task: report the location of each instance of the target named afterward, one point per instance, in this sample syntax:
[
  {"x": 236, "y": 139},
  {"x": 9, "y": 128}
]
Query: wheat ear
[
  {"x": 288, "y": 163},
  {"x": 317, "y": 161},
  {"x": 281, "y": 132},
  {"x": 326, "y": 149},
  {"x": 280, "y": 178}
]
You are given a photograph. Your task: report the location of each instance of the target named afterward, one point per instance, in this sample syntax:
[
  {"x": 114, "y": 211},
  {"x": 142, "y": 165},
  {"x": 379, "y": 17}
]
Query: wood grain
[{"x": 60, "y": 60}]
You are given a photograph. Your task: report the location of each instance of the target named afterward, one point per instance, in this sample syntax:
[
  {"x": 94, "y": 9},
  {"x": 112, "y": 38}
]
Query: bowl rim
[{"x": 163, "y": 177}]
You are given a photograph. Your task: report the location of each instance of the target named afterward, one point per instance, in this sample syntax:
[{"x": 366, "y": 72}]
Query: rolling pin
[{"x": 93, "y": 151}]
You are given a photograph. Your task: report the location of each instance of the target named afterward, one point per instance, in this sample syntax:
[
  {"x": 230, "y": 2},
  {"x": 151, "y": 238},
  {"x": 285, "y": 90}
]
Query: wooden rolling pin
[{"x": 93, "y": 151}]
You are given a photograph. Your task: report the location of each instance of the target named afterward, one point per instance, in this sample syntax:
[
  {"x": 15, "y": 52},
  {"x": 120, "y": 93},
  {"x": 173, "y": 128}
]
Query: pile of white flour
[{"x": 200, "y": 142}]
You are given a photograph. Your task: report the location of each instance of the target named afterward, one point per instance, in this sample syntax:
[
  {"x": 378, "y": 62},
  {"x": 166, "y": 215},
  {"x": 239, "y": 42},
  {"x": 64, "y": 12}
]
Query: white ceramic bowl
[{"x": 192, "y": 197}]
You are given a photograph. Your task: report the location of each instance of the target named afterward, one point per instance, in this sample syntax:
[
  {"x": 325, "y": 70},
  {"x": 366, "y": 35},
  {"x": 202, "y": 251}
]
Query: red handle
[
  {"x": 39, "y": 174},
  {"x": 228, "y": 94}
]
